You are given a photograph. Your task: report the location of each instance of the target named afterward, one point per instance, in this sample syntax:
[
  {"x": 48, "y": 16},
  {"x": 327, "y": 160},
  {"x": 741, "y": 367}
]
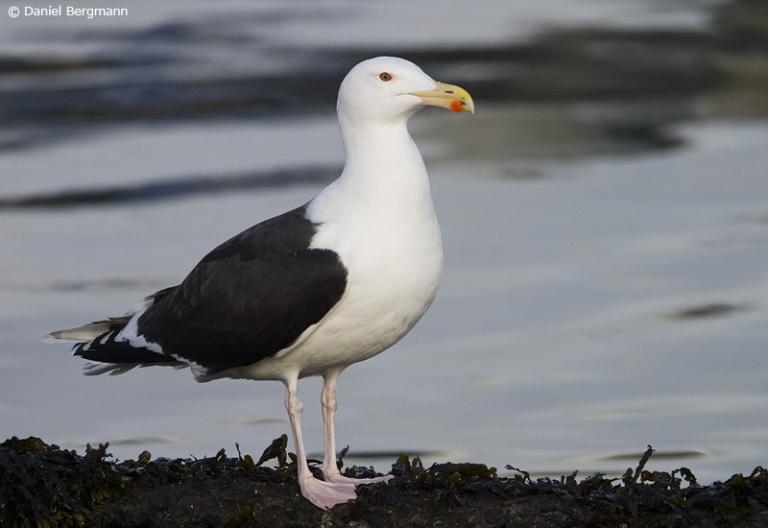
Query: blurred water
[{"x": 605, "y": 218}]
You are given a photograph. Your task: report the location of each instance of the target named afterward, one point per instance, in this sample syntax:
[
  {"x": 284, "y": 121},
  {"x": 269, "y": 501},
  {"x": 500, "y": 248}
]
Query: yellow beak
[{"x": 452, "y": 97}]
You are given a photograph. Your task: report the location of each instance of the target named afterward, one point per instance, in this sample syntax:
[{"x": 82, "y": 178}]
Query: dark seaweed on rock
[{"x": 42, "y": 485}]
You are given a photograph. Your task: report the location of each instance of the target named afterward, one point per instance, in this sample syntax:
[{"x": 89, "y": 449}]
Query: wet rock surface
[{"x": 43, "y": 485}]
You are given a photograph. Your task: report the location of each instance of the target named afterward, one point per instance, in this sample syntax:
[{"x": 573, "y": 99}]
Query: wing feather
[{"x": 249, "y": 298}]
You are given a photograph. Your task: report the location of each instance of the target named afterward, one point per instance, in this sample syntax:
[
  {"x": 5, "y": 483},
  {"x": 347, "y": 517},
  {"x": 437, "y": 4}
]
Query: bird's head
[{"x": 390, "y": 89}]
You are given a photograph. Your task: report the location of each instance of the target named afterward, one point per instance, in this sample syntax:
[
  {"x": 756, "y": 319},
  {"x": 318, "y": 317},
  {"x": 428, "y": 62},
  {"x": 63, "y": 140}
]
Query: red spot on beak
[{"x": 456, "y": 106}]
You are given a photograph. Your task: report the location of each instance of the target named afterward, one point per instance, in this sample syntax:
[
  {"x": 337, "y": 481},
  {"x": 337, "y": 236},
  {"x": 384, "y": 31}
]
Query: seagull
[{"x": 313, "y": 290}]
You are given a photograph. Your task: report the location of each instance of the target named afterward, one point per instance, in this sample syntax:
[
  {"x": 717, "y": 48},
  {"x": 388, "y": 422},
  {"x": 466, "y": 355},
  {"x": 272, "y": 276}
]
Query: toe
[
  {"x": 326, "y": 495},
  {"x": 341, "y": 479}
]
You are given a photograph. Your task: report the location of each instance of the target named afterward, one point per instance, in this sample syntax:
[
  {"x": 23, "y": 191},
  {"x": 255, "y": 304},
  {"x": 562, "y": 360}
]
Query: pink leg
[
  {"x": 324, "y": 495},
  {"x": 330, "y": 469}
]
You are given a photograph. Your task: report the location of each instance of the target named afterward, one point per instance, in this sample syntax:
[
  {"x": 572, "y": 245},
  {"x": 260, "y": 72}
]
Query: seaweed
[{"x": 42, "y": 485}]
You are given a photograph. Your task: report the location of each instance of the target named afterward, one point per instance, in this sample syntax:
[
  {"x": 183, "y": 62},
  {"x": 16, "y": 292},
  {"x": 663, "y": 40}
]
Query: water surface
[{"x": 605, "y": 216}]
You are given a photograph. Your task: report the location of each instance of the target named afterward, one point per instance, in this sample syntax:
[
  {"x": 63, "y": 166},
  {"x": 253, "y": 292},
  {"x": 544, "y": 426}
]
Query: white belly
[
  {"x": 380, "y": 306},
  {"x": 390, "y": 285}
]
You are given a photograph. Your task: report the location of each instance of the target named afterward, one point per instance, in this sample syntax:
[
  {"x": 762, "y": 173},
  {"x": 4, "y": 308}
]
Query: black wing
[{"x": 249, "y": 298}]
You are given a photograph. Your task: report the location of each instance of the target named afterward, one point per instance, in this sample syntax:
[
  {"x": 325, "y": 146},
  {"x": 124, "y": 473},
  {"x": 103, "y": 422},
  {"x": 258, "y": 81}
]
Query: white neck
[
  {"x": 384, "y": 172},
  {"x": 379, "y": 218},
  {"x": 378, "y": 144}
]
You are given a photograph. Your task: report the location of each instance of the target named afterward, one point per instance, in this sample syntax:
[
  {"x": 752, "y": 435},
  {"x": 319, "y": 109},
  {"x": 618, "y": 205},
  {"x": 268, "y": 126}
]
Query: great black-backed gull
[{"x": 316, "y": 289}]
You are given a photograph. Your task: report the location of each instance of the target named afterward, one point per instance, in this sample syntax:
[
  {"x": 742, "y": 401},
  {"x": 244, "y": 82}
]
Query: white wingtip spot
[{"x": 130, "y": 333}]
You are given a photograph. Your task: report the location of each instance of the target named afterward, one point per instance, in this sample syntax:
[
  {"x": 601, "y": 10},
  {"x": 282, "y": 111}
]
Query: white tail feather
[{"x": 80, "y": 333}]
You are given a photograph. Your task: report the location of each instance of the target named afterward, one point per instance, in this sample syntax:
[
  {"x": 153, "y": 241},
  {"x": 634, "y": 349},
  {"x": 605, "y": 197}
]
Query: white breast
[
  {"x": 384, "y": 229},
  {"x": 394, "y": 266},
  {"x": 379, "y": 218}
]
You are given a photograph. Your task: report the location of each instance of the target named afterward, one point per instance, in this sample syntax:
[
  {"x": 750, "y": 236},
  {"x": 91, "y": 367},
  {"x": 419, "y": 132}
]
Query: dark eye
[{"x": 385, "y": 76}]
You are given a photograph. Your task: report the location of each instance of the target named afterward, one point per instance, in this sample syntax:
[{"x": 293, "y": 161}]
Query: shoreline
[{"x": 43, "y": 485}]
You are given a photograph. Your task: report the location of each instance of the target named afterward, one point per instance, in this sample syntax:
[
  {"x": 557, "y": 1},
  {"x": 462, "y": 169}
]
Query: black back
[{"x": 249, "y": 298}]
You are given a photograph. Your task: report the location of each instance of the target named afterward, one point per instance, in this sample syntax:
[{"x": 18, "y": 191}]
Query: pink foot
[
  {"x": 337, "y": 478},
  {"x": 326, "y": 495}
]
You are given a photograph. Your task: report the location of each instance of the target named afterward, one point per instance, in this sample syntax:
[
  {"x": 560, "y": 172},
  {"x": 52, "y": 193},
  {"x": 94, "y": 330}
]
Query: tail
[
  {"x": 90, "y": 331},
  {"x": 112, "y": 341}
]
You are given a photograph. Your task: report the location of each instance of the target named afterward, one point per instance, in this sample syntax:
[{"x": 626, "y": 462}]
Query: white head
[{"x": 386, "y": 89}]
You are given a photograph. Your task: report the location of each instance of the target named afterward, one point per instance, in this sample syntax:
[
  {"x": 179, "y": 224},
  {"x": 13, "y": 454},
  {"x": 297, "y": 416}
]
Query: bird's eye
[{"x": 385, "y": 76}]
